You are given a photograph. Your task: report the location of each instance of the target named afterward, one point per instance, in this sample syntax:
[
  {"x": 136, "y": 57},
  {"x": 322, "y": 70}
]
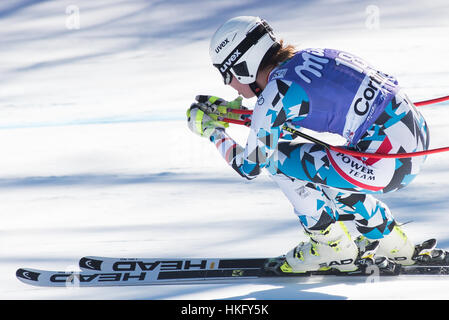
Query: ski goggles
[{"x": 230, "y": 62}]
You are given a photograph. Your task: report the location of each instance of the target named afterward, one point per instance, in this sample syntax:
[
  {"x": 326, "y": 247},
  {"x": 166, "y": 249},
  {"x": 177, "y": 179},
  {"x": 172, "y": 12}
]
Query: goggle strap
[{"x": 251, "y": 39}]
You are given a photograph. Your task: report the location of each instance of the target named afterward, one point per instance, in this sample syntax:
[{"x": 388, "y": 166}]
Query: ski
[
  {"x": 102, "y": 271},
  {"x": 128, "y": 272},
  {"x": 92, "y": 263}
]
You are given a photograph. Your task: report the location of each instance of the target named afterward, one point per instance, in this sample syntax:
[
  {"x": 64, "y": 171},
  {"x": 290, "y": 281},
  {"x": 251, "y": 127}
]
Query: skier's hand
[
  {"x": 213, "y": 105},
  {"x": 203, "y": 124}
]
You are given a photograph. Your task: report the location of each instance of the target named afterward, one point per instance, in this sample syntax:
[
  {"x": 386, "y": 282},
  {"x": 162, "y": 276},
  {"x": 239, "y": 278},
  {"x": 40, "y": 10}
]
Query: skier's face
[{"x": 242, "y": 89}]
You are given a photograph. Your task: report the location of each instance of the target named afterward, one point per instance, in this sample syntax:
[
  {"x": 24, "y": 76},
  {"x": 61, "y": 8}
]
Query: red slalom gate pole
[{"x": 431, "y": 101}]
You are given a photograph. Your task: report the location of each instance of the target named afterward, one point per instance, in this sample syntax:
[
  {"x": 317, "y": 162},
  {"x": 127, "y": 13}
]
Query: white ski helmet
[{"x": 238, "y": 47}]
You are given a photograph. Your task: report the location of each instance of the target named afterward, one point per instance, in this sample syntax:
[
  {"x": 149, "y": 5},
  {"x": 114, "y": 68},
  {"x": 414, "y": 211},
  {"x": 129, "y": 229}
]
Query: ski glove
[
  {"x": 221, "y": 108},
  {"x": 203, "y": 124}
]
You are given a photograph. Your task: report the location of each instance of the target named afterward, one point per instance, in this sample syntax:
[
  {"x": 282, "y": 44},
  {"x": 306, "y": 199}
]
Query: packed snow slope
[{"x": 97, "y": 158}]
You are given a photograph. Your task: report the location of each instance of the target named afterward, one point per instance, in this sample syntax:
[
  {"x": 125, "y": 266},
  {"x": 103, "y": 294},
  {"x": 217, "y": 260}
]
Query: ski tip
[
  {"x": 90, "y": 263},
  {"x": 29, "y": 276}
]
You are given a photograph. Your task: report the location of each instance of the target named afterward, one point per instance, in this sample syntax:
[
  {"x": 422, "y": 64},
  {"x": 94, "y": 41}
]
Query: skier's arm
[
  {"x": 231, "y": 151},
  {"x": 265, "y": 131}
]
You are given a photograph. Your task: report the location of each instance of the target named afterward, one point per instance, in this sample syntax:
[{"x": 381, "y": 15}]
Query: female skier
[{"x": 324, "y": 90}]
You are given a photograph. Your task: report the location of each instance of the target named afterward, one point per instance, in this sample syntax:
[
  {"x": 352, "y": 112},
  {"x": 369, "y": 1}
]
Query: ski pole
[
  {"x": 354, "y": 153},
  {"x": 364, "y": 154},
  {"x": 418, "y": 104}
]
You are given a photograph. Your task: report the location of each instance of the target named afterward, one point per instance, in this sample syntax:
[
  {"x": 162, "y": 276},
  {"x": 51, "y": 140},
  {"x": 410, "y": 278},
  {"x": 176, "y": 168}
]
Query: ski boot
[
  {"x": 397, "y": 247},
  {"x": 331, "y": 248},
  {"x": 426, "y": 253}
]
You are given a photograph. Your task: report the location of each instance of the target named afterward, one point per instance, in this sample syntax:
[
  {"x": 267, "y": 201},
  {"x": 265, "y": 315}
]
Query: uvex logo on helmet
[
  {"x": 228, "y": 63},
  {"x": 222, "y": 45}
]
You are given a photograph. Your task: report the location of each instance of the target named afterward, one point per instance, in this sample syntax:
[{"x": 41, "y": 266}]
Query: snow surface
[{"x": 97, "y": 158}]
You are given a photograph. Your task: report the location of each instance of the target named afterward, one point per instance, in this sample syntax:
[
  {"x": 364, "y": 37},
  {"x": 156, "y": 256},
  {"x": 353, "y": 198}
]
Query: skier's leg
[
  {"x": 310, "y": 204},
  {"x": 375, "y": 222},
  {"x": 399, "y": 129},
  {"x": 319, "y": 208},
  {"x": 330, "y": 243},
  {"x": 372, "y": 217}
]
